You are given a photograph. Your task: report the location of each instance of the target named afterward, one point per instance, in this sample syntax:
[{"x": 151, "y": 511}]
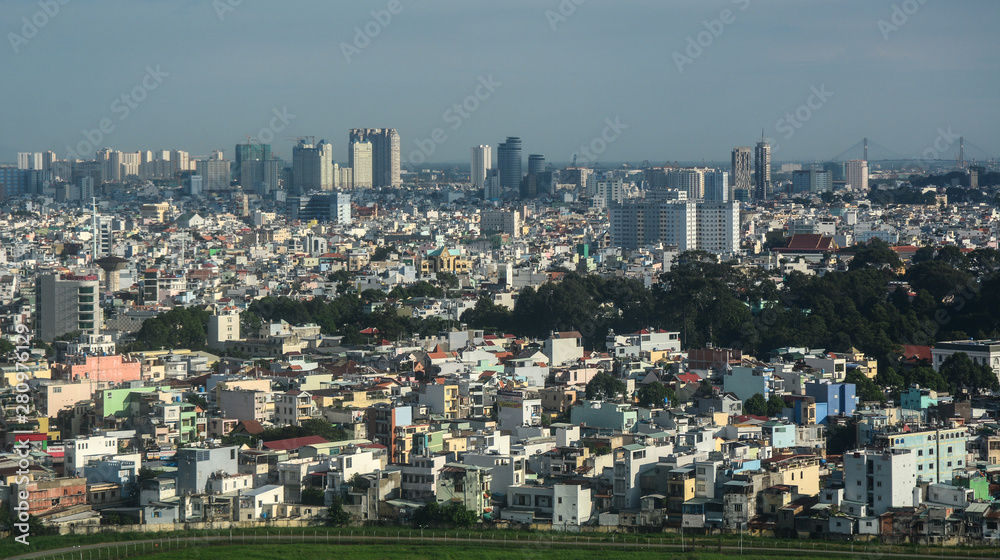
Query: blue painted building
[{"x": 832, "y": 399}]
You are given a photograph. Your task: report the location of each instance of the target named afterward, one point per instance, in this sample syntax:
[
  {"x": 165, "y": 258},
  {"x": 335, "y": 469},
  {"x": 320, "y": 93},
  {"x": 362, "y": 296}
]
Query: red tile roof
[{"x": 293, "y": 443}]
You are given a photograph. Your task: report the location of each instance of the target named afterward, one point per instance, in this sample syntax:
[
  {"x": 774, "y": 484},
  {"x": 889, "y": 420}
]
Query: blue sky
[{"x": 557, "y": 68}]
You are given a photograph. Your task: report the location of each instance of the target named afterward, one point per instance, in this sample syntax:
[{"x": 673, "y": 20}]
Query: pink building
[{"x": 103, "y": 369}]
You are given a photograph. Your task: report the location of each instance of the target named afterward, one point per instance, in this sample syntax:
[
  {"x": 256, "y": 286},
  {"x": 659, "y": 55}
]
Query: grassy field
[
  {"x": 417, "y": 552},
  {"x": 531, "y": 544}
]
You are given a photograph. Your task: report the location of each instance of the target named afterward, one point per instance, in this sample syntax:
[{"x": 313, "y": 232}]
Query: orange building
[
  {"x": 47, "y": 495},
  {"x": 108, "y": 369}
]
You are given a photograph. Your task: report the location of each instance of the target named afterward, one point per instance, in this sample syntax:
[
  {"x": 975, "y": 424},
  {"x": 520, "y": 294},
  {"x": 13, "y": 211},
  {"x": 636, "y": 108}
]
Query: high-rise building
[
  {"x": 856, "y": 174},
  {"x": 251, "y": 175},
  {"x": 312, "y": 167},
  {"x": 742, "y": 167},
  {"x": 536, "y": 163},
  {"x": 30, "y": 160},
  {"x": 675, "y": 220},
  {"x": 609, "y": 191},
  {"x": 482, "y": 161},
  {"x": 762, "y": 169},
  {"x": 360, "y": 156},
  {"x": 491, "y": 188},
  {"x": 691, "y": 180},
  {"x": 576, "y": 176},
  {"x": 181, "y": 160},
  {"x": 323, "y": 207},
  {"x": 68, "y": 303},
  {"x": 214, "y": 172},
  {"x": 385, "y": 160},
  {"x": 509, "y": 163},
  {"x": 811, "y": 181},
  {"x": 718, "y": 226},
  {"x": 716, "y": 186}
]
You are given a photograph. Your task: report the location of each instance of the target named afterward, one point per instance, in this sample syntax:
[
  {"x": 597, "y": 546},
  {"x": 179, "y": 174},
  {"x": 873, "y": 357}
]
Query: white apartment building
[{"x": 875, "y": 481}]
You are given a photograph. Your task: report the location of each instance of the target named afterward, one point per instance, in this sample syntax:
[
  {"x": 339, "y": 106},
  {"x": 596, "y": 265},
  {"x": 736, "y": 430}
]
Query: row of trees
[{"x": 956, "y": 296}]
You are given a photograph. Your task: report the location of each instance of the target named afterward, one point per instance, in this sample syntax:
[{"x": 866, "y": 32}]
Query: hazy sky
[{"x": 553, "y": 72}]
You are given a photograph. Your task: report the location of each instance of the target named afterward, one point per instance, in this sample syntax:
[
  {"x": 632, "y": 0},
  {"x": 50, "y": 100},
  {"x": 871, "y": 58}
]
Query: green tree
[
  {"x": 448, "y": 280},
  {"x": 6, "y": 347},
  {"x": 755, "y": 405},
  {"x": 656, "y": 394},
  {"x": 312, "y": 496},
  {"x": 865, "y": 388},
  {"x": 604, "y": 387},
  {"x": 962, "y": 373},
  {"x": 875, "y": 254},
  {"x": 335, "y": 514},
  {"x": 775, "y": 405}
]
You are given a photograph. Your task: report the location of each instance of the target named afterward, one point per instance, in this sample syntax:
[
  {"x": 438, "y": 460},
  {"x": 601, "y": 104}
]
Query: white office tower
[
  {"x": 384, "y": 157},
  {"x": 29, "y": 160},
  {"x": 718, "y": 226},
  {"x": 637, "y": 224},
  {"x": 181, "y": 160},
  {"x": 607, "y": 192},
  {"x": 691, "y": 180},
  {"x": 360, "y": 156},
  {"x": 672, "y": 219},
  {"x": 482, "y": 161},
  {"x": 856, "y": 174},
  {"x": 492, "y": 189},
  {"x": 716, "y": 186}
]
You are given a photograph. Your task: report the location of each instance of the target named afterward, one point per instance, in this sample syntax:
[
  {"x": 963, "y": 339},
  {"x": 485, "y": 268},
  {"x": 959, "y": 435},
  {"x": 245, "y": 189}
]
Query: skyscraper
[
  {"x": 482, "y": 161},
  {"x": 214, "y": 171},
  {"x": 536, "y": 163},
  {"x": 385, "y": 170},
  {"x": 509, "y": 163},
  {"x": 762, "y": 169},
  {"x": 246, "y": 153},
  {"x": 739, "y": 174},
  {"x": 360, "y": 154},
  {"x": 68, "y": 303},
  {"x": 716, "y": 186},
  {"x": 312, "y": 167},
  {"x": 29, "y": 160},
  {"x": 856, "y": 172}
]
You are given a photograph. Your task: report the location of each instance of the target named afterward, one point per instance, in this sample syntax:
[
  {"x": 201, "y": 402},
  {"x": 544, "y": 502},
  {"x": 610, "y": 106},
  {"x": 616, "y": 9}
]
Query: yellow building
[
  {"x": 796, "y": 470},
  {"x": 445, "y": 260}
]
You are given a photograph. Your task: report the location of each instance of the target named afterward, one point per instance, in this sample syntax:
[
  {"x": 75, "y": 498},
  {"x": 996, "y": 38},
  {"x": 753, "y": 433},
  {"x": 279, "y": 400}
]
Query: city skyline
[{"x": 837, "y": 73}]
